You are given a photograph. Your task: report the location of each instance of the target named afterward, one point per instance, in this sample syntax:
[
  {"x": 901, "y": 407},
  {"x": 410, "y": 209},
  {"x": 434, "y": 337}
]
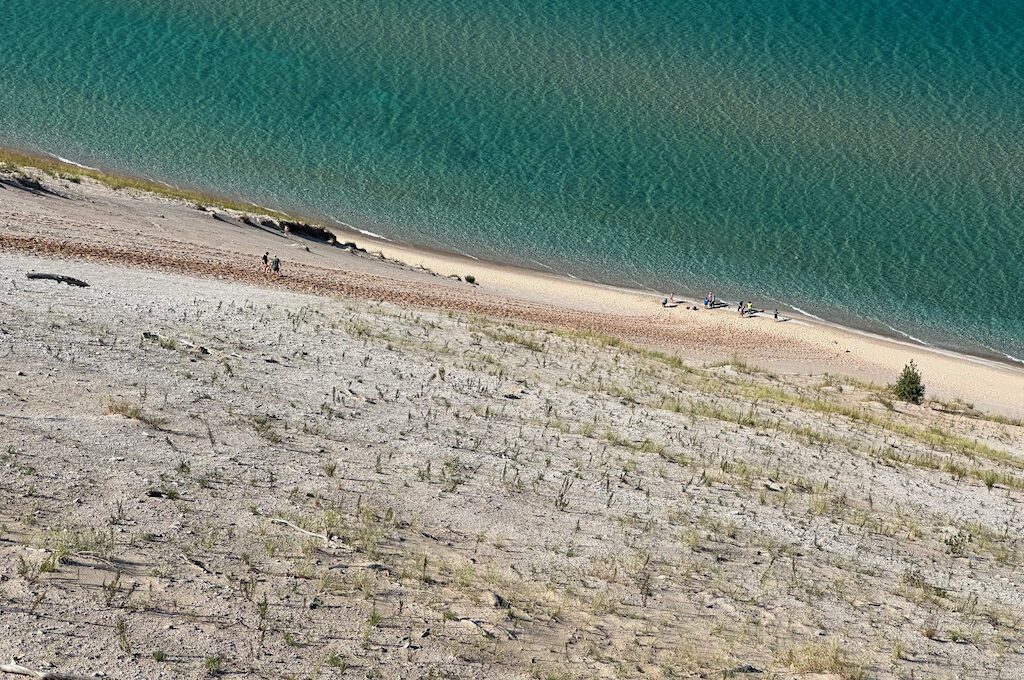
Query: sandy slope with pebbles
[
  {"x": 89, "y": 221},
  {"x": 365, "y": 468},
  {"x": 208, "y": 477}
]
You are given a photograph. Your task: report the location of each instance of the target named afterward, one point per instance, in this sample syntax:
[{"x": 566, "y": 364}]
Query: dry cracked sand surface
[{"x": 205, "y": 477}]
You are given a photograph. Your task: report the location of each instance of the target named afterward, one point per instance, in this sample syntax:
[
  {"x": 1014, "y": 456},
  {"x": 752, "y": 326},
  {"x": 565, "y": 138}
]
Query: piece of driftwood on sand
[
  {"x": 17, "y": 669},
  {"x": 59, "y": 278}
]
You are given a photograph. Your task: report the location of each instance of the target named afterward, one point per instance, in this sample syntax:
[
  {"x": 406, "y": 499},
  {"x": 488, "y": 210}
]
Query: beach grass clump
[
  {"x": 63, "y": 543},
  {"x": 123, "y": 407},
  {"x": 513, "y": 338},
  {"x": 214, "y": 665},
  {"x": 823, "y": 658},
  {"x": 597, "y": 339},
  {"x": 264, "y": 427},
  {"x": 736, "y": 363}
]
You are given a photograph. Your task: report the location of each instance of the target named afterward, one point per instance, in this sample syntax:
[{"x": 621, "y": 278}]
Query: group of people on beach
[
  {"x": 271, "y": 265},
  {"x": 745, "y": 308}
]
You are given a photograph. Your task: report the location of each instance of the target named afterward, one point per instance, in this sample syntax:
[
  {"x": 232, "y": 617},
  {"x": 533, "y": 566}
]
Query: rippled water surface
[{"x": 861, "y": 161}]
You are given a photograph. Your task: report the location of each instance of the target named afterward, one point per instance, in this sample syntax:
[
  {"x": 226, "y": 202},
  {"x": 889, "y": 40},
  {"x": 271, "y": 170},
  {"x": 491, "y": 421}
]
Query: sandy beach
[{"x": 90, "y": 221}]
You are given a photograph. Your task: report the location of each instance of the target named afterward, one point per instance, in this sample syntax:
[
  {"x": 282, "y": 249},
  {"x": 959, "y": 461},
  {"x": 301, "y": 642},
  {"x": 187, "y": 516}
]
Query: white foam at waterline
[
  {"x": 808, "y": 314},
  {"x": 642, "y": 287},
  {"x": 1008, "y": 356},
  {"x": 157, "y": 181},
  {"x": 364, "y": 232},
  {"x": 89, "y": 167},
  {"x": 909, "y": 336},
  {"x": 71, "y": 162},
  {"x": 371, "y": 234},
  {"x": 991, "y": 363}
]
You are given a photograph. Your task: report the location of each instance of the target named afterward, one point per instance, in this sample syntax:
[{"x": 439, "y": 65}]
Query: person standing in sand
[
  {"x": 275, "y": 265},
  {"x": 266, "y": 262}
]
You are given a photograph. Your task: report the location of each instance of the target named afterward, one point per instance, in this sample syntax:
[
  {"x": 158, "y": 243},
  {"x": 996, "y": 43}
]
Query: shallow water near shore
[{"x": 859, "y": 163}]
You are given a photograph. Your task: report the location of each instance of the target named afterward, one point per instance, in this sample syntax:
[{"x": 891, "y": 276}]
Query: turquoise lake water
[{"x": 861, "y": 161}]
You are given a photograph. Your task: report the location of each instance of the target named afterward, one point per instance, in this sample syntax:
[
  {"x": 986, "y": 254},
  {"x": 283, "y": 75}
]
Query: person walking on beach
[
  {"x": 266, "y": 262},
  {"x": 275, "y": 265},
  {"x": 739, "y": 308},
  {"x": 750, "y": 307}
]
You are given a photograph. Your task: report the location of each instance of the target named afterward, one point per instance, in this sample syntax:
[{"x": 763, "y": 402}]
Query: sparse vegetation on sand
[{"x": 359, "y": 490}]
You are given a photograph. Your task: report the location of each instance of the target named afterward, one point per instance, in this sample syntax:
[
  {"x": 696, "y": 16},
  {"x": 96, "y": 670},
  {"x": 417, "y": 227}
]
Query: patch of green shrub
[{"x": 909, "y": 387}]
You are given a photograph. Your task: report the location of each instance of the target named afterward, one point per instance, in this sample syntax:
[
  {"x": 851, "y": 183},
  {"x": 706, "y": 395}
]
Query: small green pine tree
[{"x": 909, "y": 387}]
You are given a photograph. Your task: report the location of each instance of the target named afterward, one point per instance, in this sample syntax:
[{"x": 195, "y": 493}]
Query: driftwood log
[
  {"x": 16, "y": 669},
  {"x": 59, "y": 278},
  {"x": 327, "y": 539},
  {"x": 172, "y": 342}
]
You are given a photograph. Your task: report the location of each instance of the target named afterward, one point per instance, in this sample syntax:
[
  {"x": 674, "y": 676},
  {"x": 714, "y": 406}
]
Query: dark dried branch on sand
[{"x": 59, "y": 278}]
